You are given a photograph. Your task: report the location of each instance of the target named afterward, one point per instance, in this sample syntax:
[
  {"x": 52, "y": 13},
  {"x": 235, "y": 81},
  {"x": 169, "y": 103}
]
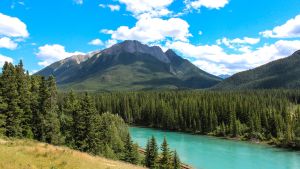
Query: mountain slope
[
  {"x": 129, "y": 65},
  {"x": 28, "y": 154},
  {"x": 282, "y": 73}
]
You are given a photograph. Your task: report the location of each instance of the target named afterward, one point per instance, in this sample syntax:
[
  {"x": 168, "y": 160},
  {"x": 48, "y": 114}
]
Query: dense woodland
[
  {"x": 259, "y": 115},
  {"x": 29, "y": 108}
]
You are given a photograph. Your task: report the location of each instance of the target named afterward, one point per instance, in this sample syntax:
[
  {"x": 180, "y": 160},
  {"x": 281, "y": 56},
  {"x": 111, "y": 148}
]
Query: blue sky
[{"x": 219, "y": 36}]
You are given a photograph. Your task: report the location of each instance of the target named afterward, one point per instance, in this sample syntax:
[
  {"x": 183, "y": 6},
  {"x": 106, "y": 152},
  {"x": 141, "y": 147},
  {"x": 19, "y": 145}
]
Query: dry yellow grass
[{"x": 27, "y": 154}]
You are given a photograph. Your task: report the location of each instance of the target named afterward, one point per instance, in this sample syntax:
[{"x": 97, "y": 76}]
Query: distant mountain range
[
  {"x": 282, "y": 73},
  {"x": 129, "y": 65},
  {"x": 224, "y": 76}
]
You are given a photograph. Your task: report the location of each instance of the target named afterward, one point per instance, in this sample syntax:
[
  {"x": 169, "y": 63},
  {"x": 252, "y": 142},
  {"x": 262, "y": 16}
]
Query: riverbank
[
  {"x": 272, "y": 142},
  {"x": 201, "y": 151}
]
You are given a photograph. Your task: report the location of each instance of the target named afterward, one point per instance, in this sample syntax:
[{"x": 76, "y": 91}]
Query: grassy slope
[{"x": 27, "y": 154}]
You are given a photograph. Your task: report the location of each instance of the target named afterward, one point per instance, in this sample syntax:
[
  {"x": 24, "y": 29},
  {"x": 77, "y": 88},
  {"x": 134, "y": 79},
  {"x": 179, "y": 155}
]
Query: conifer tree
[
  {"x": 84, "y": 123},
  {"x": 23, "y": 87},
  {"x": 151, "y": 159},
  {"x": 10, "y": 92},
  {"x": 69, "y": 109},
  {"x": 49, "y": 112},
  {"x": 130, "y": 151},
  {"x": 176, "y": 161},
  {"x": 166, "y": 158}
]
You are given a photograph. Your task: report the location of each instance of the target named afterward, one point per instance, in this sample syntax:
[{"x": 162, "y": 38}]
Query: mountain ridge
[
  {"x": 281, "y": 73},
  {"x": 129, "y": 65}
]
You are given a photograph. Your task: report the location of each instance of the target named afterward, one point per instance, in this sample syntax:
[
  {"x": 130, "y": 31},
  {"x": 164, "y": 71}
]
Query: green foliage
[
  {"x": 151, "y": 157},
  {"x": 258, "y": 114},
  {"x": 131, "y": 154},
  {"x": 176, "y": 161},
  {"x": 165, "y": 161},
  {"x": 29, "y": 108},
  {"x": 282, "y": 73}
]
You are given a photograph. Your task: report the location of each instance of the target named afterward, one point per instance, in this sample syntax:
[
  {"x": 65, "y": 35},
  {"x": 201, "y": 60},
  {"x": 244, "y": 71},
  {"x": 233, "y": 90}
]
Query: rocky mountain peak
[{"x": 133, "y": 46}]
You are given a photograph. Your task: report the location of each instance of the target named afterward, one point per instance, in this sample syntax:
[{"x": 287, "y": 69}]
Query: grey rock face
[{"x": 133, "y": 46}]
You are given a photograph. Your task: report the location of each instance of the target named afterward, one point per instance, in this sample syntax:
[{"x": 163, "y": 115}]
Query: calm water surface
[{"x": 204, "y": 152}]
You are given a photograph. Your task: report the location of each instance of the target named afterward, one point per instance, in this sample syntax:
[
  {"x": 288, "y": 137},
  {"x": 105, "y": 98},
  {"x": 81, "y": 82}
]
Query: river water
[{"x": 204, "y": 152}]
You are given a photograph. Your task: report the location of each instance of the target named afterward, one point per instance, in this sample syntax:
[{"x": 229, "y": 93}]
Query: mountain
[
  {"x": 282, "y": 73},
  {"x": 224, "y": 76},
  {"x": 129, "y": 65}
]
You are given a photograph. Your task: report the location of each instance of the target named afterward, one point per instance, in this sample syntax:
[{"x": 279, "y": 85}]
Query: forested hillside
[
  {"x": 279, "y": 74},
  {"x": 266, "y": 115},
  {"x": 29, "y": 109}
]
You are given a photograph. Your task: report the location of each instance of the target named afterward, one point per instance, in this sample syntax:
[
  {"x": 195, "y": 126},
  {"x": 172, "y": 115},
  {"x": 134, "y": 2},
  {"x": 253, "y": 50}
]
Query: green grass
[{"x": 28, "y": 154}]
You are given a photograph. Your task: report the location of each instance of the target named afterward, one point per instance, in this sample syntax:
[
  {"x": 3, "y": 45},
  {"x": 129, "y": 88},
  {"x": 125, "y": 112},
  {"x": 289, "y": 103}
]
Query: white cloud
[
  {"x": 215, "y": 60},
  {"x": 111, "y": 7},
  {"x": 12, "y": 27},
  {"x": 6, "y": 42},
  {"x": 238, "y": 43},
  {"x": 147, "y": 8},
  {"x": 96, "y": 42},
  {"x": 114, "y": 7},
  {"x": 4, "y": 59},
  {"x": 152, "y": 29},
  {"x": 211, "y": 4},
  {"x": 110, "y": 42},
  {"x": 78, "y": 2},
  {"x": 291, "y": 29},
  {"x": 52, "y": 53}
]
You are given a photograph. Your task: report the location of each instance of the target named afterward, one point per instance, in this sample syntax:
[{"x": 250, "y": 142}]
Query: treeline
[
  {"x": 268, "y": 115},
  {"x": 29, "y": 108}
]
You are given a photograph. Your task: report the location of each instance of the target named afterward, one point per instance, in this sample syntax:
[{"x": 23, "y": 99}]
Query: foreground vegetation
[
  {"x": 29, "y": 109},
  {"x": 261, "y": 115},
  {"x": 28, "y": 154}
]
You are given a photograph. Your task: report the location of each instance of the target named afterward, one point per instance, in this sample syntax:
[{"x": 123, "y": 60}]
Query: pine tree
[
  {"x": 130, "y": 151},
  {"x": 3, "y": 107},
  {"x": 84, "y": 122},
  {"x": 176, "y": 161},
  {"x": 13, "y": 112},
  {"x": 50, "y": 131},
  {"x": 23, "y": 85},
  {"x": 166, "y": 158},
  {"x": 151, "y": 159},
  {"x": 69, "y": 108}
]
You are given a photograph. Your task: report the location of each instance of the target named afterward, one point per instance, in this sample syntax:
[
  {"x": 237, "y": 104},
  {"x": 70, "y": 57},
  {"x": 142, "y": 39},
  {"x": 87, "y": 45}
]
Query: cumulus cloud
[
  {"x": 4, "y": 59},
  {"x": 111, "y": 7},
  {"x": 114, "y": 7},
  {"x": 214, "y": 59},
  {"x": 152, "y": 29},
  {"x": 12, "y": 27},
  {"x": 147, "y": 8},
  {"x": 52, "y": 53},
  {"x": 237, "y": 43},
  {"x": 96, "y": 42},
  {"x": 211, "y": 4},
  {"x": 6, "y": 42},
  {"x": 291, "y": 29}
]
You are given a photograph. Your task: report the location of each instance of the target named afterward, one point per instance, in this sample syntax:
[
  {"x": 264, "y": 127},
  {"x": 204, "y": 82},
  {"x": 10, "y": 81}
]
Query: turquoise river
[{"x": 204, "y": 152}]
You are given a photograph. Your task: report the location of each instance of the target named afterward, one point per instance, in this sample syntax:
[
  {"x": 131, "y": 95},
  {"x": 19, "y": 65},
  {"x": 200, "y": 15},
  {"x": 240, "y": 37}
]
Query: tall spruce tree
[
  {"x": 83, "y": 124},
  {"x": 49, "y": 110},
  {"x": 10, "y": 93},
  {"x": 130, "y": 151},
  {"x": 70, "y": 108},
  {"x": 23, "y": 87},
  {"x": 176, "y": 161},
  {"x": 151, "y": 159},
  {"x": 165, "y": 161}
]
